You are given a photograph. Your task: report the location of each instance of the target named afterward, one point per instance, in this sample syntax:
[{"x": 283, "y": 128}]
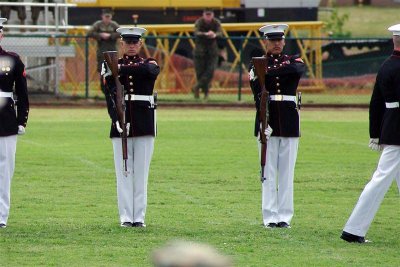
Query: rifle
[
  {"x": 111, "y": 58},
  {"x": 260, "y": 66}
]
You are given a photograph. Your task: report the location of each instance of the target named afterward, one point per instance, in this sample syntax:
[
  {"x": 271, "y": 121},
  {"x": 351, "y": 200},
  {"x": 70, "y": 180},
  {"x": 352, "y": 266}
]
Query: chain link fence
[{"x": 65, "y": 66}]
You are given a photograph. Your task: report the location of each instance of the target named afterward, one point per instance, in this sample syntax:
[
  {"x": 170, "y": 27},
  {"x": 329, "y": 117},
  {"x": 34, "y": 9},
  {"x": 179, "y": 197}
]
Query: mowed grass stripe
[{"x": 204, "y": 186}]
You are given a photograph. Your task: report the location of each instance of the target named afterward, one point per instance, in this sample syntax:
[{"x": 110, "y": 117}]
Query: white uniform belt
[
  {"x": 149, "y": 98},
  {"x": 282, "y": 98},
  {"x": 6, "y": 94},
  {"x": 392, "y": 104}
]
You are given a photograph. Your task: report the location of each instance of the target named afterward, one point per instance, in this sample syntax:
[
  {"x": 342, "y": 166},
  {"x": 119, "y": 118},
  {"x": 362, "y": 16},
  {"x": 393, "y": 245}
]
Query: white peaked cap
[
  {"x": 2, "y": 20},
  {"x": 395, "y": 29},
  {"x": 274, "y": 31},
  {"x": 131, "y": 32}
]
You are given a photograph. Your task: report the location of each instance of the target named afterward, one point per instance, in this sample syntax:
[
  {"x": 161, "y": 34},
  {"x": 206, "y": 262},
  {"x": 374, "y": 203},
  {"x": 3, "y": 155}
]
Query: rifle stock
[
  {"x": 111, "y": 58},
  {"x": 260, "y": 66}
]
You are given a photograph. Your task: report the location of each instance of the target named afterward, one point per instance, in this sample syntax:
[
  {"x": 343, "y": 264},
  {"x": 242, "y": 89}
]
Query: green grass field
[
  {"x": 203, "y": 186},
  {"x": 366, "y": 21}
]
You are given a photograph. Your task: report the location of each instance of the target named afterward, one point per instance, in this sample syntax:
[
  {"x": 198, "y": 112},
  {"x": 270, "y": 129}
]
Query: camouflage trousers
[
  {"x": 205, "y": 66},
  {"x": 5, "y": 12}
]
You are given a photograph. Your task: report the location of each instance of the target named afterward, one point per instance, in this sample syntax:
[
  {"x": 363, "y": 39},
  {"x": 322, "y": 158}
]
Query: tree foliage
[{"x": 335, "y": 25}]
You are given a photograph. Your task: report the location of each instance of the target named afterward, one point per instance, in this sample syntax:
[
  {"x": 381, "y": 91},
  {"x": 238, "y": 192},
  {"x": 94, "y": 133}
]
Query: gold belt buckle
[{"x": 278, "y": 97}]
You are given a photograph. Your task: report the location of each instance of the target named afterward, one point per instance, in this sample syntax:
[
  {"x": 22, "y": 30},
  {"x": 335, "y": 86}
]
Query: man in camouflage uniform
[
  {"x": 104, "y": 31},
  {"x": 12, "y": 82},
  {"x": 207, "y": 29},
  {"x": 5, "y": 11}
]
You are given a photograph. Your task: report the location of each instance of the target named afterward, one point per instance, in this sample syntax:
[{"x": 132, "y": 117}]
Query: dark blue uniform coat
[
  {"x": 282, "y": 78},
  {"x": 384, "y": 123},
  {"x": 12, "y": 76},
  {"x": 137, "y": 76}
]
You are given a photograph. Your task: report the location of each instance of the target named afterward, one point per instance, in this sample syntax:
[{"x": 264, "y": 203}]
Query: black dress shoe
[
  {"x": 283, "y": 225},
  {"x": 353, "y": 238},
  {"x": 2, "y": 225},
  {"x": 138, "y": 224},
  {"x": 271, "y": 225},
  {"x": 126, "y": 224}
]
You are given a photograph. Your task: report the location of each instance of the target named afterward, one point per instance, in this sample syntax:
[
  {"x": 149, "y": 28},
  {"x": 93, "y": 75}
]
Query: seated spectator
[
  {"x": 35, "y": 10},
  {"x": 6, "y": 10}
]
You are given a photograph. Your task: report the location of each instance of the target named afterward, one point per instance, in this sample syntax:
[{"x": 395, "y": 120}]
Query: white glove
[
  {"x": 21, "y": 130},
  {"x": 268, "y": 132},
  {"x": 105, "y": 70},
  {"x": 252, "y": 76},
  {"x": 374, "y": 144},
  {"x": 119, "y": 129}
]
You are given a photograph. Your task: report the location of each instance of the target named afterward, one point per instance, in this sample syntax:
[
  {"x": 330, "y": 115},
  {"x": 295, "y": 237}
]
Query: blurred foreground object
[{"x": 189, "y": 254}]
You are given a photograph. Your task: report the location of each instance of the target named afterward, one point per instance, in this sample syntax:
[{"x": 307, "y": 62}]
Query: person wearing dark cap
[
  {"x": 104, "y": 31},
  {"x": 137, "y": 75},
  {"x": 12, "y": 123},
  {"x": 207, "y": 30},
  {"x": 281, "y": 80},
  {"x": 384, "y": 129}
]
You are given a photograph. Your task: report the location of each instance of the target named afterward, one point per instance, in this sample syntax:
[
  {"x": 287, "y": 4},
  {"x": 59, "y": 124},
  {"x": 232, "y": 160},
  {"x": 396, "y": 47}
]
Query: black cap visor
[
  {"x": 131, "y": 39},
  {"x": 274, "y": 36}
]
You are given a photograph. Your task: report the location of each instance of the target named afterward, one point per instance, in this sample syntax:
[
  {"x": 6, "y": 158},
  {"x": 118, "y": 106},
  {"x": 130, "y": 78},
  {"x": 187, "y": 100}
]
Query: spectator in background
[
  {"x": 188, "y": 254},
  {"x": 35, "y": 10},
  {"x": 104, "y": 31},
  {"x": 207, "y": 29},
  {"x": 6, "y": 10}
]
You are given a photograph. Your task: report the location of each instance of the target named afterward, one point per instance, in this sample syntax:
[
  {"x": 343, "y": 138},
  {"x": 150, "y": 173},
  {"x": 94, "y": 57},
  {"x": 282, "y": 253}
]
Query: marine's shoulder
[
  {"x": 10, "y": 53},
  {"x": 285, "y": 56},
  {"x": 149, "y": 59},
  {"x": 391, "y": 62},
  {"x": 292, "y": 58}
]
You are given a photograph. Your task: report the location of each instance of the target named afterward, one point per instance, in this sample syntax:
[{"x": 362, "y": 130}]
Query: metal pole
[
  {"x": 46, "y": 16},
  {"x": 57, "y": 44},
  {"x": 240, "y": 70},
  {"x": 86, "y": 66},
  {"x": 65, "y": 19}
]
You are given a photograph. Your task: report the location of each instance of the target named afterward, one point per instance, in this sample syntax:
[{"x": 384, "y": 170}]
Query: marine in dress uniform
[
  {"x": 207, "y": 29},
  {"x": 281, "y": 80},
  {"x": 12, "y": 123},
  {"x": 104, "y": 31},
  {"x": 384, "y": 130},
  {"x": 137, "y": 75}
]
